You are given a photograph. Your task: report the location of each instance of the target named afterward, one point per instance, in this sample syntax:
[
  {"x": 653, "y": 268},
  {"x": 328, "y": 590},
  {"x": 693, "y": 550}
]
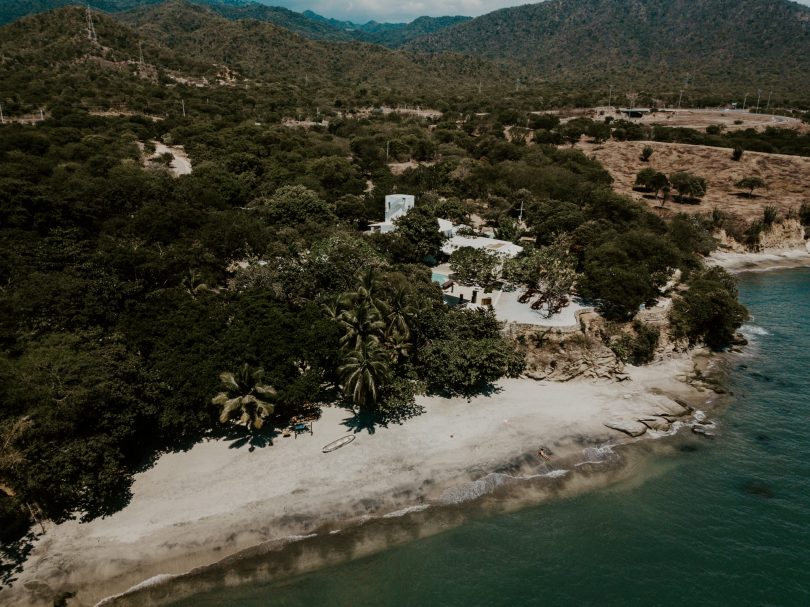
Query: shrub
[
  {"x": 804, "y": 213},
  {"x": 751, "y": 236},
  {"x": 709, "y": 311},
  {"x": 737, "y": 153},
  {"x": 646, "y": 153},
  {"x": 769, "y": 215},
  {"x": 637, "y": 348}
]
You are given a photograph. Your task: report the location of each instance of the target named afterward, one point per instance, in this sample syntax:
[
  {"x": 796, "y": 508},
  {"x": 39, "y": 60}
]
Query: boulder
[
  {"x": 656, "y": 423},
  {"x": 630, "y": 428}
]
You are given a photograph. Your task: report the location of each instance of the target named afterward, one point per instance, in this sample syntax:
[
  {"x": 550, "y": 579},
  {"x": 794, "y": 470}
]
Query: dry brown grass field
[{"x": 788, "y": 177}]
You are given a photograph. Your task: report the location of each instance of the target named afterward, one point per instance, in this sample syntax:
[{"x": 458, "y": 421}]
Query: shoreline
[
  {"x": 769, "y": 259},
  {"x": 209, "y": 505}
]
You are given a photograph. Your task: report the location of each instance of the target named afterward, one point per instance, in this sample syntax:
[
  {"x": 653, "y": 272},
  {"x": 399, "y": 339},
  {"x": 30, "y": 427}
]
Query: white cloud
[{"x": 361, "y": 11}]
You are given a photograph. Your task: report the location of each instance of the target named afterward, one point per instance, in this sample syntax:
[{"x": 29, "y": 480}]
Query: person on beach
[{"x": 542, "y": 453}]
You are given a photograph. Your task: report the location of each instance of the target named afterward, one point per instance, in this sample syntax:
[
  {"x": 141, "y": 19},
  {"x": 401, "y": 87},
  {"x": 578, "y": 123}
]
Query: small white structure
[
  {"x": 396, "y": 206},
  {"x": 499, "y": 247}
]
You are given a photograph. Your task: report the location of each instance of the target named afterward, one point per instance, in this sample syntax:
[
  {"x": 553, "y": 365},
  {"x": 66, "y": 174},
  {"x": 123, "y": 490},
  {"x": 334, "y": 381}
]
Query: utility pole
[
  {"x": 520, "y": 217},
  {"x": 759, "y": 95},
  {"x": 683, "y": 88},
  {"x": 41, "y": 115},
  {"x": 183, "y": 103},
  {"x": 2, "y": 118},
  {"x": 387, "y": 149},
  {"x": 769, "y": 100},
  {"x": 745, "y": 100}
]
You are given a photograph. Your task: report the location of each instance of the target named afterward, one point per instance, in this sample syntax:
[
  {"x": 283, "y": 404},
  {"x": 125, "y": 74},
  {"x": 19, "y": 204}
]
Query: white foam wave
[
  {"x": 598, "y": 455},
  {"x": 673, "y": 430},
  {"x": 152, "y": 581},
  {"x": 750, "y": 330},
  {"x": 408, "y": 510},
  {"x": 555, "y": 473},
  {"x": 475, "y": 489}
]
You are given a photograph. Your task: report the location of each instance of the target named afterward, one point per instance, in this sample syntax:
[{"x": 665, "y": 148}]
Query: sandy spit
[{"x": 201, "y": 506}]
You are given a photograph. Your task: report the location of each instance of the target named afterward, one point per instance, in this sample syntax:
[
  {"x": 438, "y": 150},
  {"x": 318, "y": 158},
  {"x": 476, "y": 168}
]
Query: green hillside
[
  {"x": 264, "y": 51},
  {"x": 724, "y": 47},
  {"x": 48, "y": 60},
  {"x": 307, "y": 24}
]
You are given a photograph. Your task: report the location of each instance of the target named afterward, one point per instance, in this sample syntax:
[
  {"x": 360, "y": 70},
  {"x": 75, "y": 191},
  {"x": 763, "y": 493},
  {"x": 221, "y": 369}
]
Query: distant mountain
[
  {"x": 11, "y": 10},
  {"x": 722, "y": 46},
  {"x": 389, "y": 34}
]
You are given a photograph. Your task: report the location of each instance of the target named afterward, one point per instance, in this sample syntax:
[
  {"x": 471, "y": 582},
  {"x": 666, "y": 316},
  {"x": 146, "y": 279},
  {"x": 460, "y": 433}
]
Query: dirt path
[{"x": 180, "y": 165}]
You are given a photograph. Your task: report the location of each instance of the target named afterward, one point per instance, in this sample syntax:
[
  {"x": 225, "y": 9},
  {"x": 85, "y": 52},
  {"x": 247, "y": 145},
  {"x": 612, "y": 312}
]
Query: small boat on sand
[{"x": 337, "y": 444}]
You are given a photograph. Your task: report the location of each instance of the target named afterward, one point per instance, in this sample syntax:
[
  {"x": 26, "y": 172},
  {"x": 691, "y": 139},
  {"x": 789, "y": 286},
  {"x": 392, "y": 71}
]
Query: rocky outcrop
[
  {"x": 787, "y": 234},
  {"x": 630, "y": 428},
  {"x": 564, "y": 358}
]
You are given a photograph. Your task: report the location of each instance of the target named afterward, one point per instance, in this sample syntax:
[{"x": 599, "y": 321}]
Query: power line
[{"x": 91, "y": 29}]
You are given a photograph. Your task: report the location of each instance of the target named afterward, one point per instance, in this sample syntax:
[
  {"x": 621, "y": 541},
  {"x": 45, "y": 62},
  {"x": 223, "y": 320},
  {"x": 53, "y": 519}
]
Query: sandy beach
[
  {"x": 769, "y": 259},
  {"x": 200, "y": 506}
]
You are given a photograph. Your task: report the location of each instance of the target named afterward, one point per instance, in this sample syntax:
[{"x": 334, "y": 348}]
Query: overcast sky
[{"x": 361, "y": 11}]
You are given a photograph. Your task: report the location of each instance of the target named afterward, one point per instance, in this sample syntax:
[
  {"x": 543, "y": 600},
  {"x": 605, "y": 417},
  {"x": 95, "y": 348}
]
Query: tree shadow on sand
[
  {"x": 12, "y": 557},
  {"x": 369, "y": 421},
  {"x": 240, "y": 436}
]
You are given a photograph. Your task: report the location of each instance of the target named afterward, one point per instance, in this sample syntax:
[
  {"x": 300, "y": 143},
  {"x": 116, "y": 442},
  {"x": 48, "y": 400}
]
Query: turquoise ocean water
[{"x": 711, "y": 522}]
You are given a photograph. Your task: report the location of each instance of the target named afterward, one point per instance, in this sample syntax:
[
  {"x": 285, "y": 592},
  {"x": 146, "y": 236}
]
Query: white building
[
  {"x": 396, "y": 206},
  {"x": 503, "y": 248}
]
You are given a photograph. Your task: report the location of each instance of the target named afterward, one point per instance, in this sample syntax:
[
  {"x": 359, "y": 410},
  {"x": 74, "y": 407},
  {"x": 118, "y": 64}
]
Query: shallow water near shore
[{"x": 699, "y": 521}]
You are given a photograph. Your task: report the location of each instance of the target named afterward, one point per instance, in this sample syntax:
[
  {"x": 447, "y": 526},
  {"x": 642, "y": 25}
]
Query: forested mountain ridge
[
  {"x": 721, "y": 46},
  {"x": 264, "y": 51},
  {"x": 48, "y": 57},
  {"x": 307, "y": 24}
]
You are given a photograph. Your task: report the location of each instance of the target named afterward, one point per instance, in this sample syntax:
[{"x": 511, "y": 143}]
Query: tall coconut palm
[
  {"x": 368, "y": 292},
  {"x": 400, "y": 312},
  {"x": 364, "y": 371},
  {"x": 245, "y": 398},
  {"x": 361, "y": 324}
]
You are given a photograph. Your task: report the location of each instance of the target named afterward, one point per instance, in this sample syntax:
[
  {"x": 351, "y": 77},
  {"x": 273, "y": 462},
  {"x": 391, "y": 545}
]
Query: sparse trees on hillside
[
  {"x": 751, "y": 183},
  {"x": 688, "y": 185}
]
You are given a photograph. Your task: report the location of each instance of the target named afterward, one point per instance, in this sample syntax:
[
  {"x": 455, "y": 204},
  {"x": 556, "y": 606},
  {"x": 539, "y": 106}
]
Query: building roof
[{"x": 500, "y": 247}]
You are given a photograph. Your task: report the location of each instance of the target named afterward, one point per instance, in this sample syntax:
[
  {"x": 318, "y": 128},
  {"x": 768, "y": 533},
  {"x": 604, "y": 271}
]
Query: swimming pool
[{"x": 440, "y": 278}]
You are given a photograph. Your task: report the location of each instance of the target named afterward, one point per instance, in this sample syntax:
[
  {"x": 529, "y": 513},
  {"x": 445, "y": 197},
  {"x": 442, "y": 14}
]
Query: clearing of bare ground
[{"x": 788, "y": 177}]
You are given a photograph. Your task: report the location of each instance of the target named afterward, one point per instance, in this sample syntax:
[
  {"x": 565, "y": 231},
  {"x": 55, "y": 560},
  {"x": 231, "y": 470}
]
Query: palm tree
[
  {"x": 361, "y": 324},
  {"x": 365, "y": 369},
  {"x": 367, "y": 292},
  {"x": 400, "y": 313},
  {"x": 398, "y": 344},
  {"x": 245, "y": 397}
]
